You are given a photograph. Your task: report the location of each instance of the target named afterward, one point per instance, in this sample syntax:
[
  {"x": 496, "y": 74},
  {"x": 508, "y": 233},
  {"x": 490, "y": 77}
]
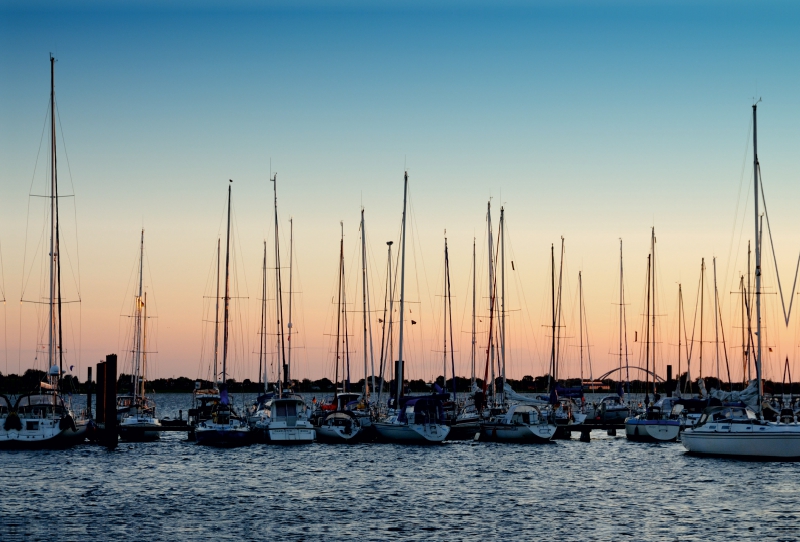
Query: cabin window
[
  {"x": 281, "y": 410},
  {"x": 31, "y": 426}
]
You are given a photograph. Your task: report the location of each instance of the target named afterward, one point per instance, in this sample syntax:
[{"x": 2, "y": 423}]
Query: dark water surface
[{"x": 607, "y": 489}]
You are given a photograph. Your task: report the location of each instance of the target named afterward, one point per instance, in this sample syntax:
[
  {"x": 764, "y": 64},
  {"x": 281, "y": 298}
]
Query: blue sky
[{"x": 589, "y": 120}]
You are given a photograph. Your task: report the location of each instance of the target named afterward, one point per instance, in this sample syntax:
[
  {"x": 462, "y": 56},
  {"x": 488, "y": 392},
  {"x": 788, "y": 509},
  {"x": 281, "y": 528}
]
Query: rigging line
[
  {"x": 72, "y": 185},
  {"x": 786, "y": 315},
  {"x": 525, "y": 301},
  {"x": 738, "y": 200}
]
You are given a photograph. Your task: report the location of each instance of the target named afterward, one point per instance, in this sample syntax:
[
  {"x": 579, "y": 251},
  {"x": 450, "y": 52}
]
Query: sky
[{"x": 595, "y": 121}]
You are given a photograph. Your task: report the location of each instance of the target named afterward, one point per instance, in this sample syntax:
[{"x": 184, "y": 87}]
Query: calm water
[{"x": 607, "y": 489}]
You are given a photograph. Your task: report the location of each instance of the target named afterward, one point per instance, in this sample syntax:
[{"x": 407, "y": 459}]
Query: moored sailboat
[
  {"x": 738, "y": 431},
  {"x": 44, "y": 419},
  {"x": 413, "y": 420},
  {"x": 225, "y": 428},
  {"x": 137, "y": 412}
]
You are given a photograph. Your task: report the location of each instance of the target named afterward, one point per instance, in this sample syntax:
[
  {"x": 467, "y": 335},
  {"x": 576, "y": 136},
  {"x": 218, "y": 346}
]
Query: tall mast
[
  {"x": 620, "y": 306},
  {"x": 492, "y": 297},
  {"x": 503, "y": 299},
  {"x": 758, "y": 260},
  {"x": 364, "y": 303},
  {"x": 749, "y": 305},
  {"x": 744, "y": 330},
  {"x": 262, "y": 368},
  {"x": 402, "y": 292},
  {"x": 653, "y": 290},
  {"x": 450, "y": 319},
  {"x": 716, "y": 319},
  {"x": 283, "y": 369},
  {"x": 289, "y": 325},
  {"x": 702, "y": 299},
  {"x": 216, "y": 321},
  {"x": 680, "y": 310},
  {"x": 552, "y": 375},
  {"x": 647, "y": 337},
  {"x": 444, "y": 316},
  {"x": 472, "y": 376},
  {"x": 138, "y": 325},
  {"x": 51, "y": 344},
  {"x": 339, "y": 314},
  {"x": 387, "y": 294},
  {"x": 227, "y": 294},
  {"x": 580, "y": 317},
  {"x": 558, "y": 308},
  {"x": 144, "y": 344}
]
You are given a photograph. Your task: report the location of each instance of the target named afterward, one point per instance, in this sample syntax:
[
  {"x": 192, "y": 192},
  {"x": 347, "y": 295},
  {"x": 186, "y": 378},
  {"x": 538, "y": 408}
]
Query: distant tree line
[{"x": 13, "y": 384}]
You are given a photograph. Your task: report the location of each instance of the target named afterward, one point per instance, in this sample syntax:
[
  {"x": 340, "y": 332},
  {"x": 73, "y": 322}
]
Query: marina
[{"x": 399, "y": 271}]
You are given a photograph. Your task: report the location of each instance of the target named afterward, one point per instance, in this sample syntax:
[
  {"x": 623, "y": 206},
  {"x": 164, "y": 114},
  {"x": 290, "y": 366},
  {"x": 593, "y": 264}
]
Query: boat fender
[
  {"x": 67, "y": 422},
  {"x": 13, "y": 422}
]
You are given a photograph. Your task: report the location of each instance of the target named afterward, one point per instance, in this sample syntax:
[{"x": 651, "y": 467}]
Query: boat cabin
[
  {"x": 726, "y": 414},
  {"x": 423, "y": 410},
  {"x": 40, "y": 405},
  {"x": 287, "y": 409},
  {"x": 523, "y": 415}
]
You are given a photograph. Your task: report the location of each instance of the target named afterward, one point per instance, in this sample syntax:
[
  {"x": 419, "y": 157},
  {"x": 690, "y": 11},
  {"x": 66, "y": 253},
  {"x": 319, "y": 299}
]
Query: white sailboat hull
[
  {"x": 767, "y": 441},
  {"x": 337, "y": 433},
  {"x": 43, "y": 433},
  {"x": 538, "y": 433},
  {"x": 139, "y": 428},
  {"x": 652, "y": 430},
  {"x": 292, "y": 435},
  {"x": 412, "y": 433}
]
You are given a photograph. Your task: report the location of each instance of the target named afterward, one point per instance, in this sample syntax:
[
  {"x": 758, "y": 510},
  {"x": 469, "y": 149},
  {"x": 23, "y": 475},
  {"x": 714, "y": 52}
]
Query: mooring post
[
  {"x": 112, "y": 438},
  {"x": 586, "y": 435},
  {"x": 669, "y": 380},
  {"x": 101, "y": 393},
  {"x": 89, "y": 392}
]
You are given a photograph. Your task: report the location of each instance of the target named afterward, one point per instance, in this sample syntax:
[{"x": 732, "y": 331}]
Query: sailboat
[
  {"x": 338, "y": 422},
  {"x": 413, "y": 420},
  {"x": 225, "y": 428},
  {"x": 657, "y": 422},
  {"x": 136, "y": 412},
  {"x": 737, "y": 430},
  {"x": 44, "y": 419},
  {"x": 282, "y": 417},
  {"x": 521, "y": 422}
]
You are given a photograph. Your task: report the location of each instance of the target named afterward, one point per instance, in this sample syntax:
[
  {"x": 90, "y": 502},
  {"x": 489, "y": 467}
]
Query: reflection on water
[{"x": 608, "y": 489}]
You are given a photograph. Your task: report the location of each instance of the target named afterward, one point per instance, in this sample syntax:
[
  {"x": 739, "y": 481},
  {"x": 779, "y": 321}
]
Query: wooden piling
[
  {"x": 111, "y": 437},
  {"x": 100, "y": 417},
  {"x": 89, "y": 392}
]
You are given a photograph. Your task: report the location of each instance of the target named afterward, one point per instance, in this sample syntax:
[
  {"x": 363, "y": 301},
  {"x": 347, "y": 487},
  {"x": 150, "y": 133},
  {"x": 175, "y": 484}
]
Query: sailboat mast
[
  {"x": 558, "y": 309},
  {"x": 387, "y": 294},
  {"x": 716, "y": 319},
  {"x": 552, "y": 375},
  {"x": 283, "y": 369},
  {"x": 653, "y": 289},
  {"x": 503, "y": 299},
  {"x": 137, "y": 338},
  {"x": 364, "y": 302},
  {"x": 492, "y": 297},
  {"x": 262, "y": 369},
  {"x": 444, "y": 316},
  {"x": 472, "y": 376},
  {"x": 216, "y": 321},
  {"x": 450, "y": 319},
  {"x": 580, "y": 309},
  {"x": 702, "y": 300},
  {"x": 758, "y": 260},
  {"x": 680, "y": 310},
  {"x": 647, "y": 337},
  {"x": 289, "y": 324},
  {"x": 227, "y": 293},
  {"x": 144, "y": 344},
  {"x": 620, "y": 306},
  {"x": 51, "y": 344},
  {"x": 339, "y": 314},
  {"x": 402, "y": 291}
]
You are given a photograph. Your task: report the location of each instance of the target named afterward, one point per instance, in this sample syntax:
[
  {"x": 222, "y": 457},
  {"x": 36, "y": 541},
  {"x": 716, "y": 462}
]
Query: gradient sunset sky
[{"x": 590, "y": 120}]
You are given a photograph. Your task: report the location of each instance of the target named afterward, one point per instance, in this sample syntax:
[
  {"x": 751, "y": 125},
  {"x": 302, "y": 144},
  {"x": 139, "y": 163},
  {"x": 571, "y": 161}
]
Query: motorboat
[{"x": 284, "y": 420}]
